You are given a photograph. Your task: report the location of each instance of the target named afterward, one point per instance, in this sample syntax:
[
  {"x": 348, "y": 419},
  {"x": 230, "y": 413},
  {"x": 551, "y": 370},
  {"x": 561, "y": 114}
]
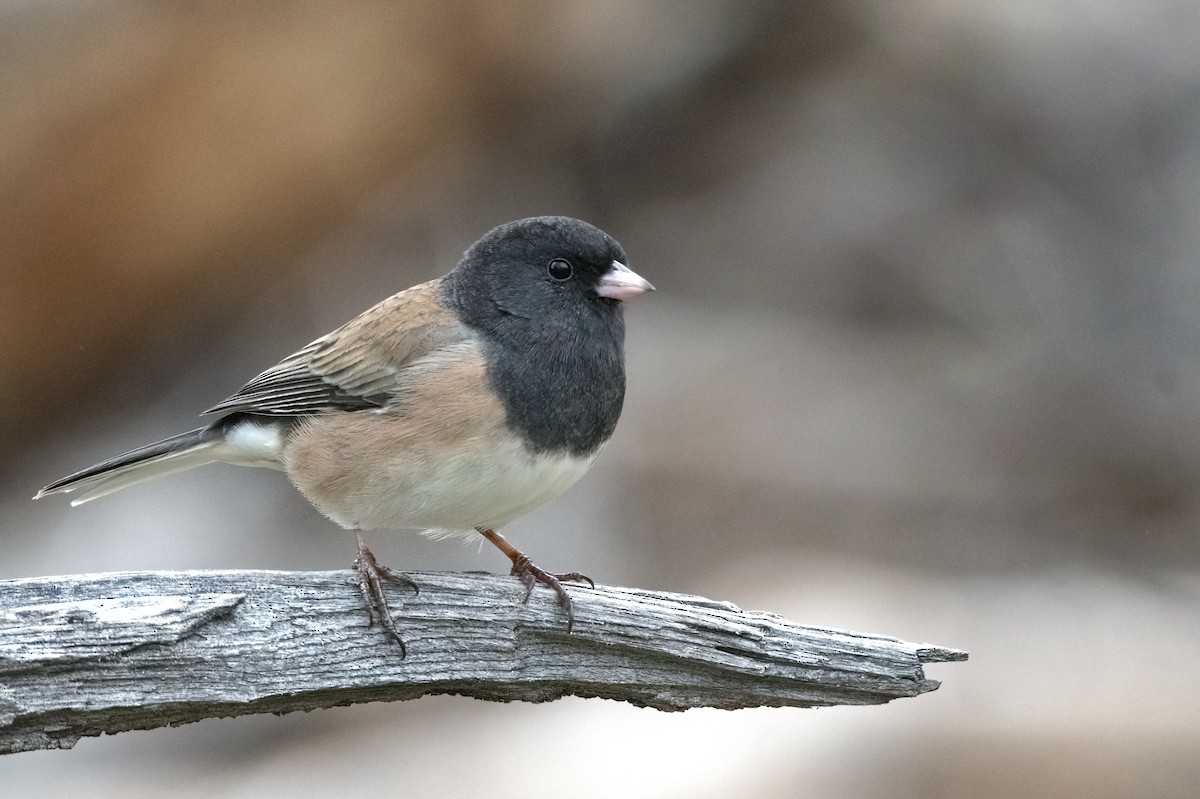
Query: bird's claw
[
  {"x": 530, "y": 575},
  {"x": 371, "y": 576}
]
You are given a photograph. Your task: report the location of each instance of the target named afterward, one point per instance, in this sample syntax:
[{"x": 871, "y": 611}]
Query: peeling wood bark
[{"x": 103, "y": 653}]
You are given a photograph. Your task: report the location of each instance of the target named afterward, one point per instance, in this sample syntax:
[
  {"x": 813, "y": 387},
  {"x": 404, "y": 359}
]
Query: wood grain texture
[{"x": 103, "y": 653}]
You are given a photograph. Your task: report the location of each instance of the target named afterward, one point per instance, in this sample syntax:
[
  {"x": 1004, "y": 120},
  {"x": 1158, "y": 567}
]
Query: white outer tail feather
[
  {"x": 248, "y": 443},
  {"x": 170, "y": 463}
]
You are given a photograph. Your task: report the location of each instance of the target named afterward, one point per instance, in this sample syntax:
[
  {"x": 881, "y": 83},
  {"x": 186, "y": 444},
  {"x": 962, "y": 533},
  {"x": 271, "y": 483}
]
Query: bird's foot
[
  {"x": 371, "y": 576},
  {"x": 530, "y": 574}
]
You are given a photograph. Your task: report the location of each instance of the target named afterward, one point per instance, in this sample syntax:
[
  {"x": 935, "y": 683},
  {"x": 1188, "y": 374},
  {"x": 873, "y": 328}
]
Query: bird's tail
[{"x": 171, "y": 455}]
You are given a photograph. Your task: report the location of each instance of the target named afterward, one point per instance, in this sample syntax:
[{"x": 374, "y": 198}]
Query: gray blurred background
[{"x": 924, "y": 359}]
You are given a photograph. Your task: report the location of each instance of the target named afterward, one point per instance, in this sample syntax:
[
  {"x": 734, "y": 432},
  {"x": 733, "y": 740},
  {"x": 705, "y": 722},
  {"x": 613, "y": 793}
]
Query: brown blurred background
[{"x": 923, "y": 360}]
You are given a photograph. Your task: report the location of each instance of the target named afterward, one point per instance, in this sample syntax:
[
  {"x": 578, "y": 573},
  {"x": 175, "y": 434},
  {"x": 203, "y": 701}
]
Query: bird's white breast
[{"x": 461, "y": 489}]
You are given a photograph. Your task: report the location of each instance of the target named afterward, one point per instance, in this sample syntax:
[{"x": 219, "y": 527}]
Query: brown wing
[{"x": 359, "y": 365}]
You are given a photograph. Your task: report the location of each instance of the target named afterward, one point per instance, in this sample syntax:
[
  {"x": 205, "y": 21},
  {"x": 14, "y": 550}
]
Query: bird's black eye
[{"x": 560, "y": 269}]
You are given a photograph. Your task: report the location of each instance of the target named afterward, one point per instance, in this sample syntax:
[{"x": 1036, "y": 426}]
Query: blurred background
[{"x": 923, "y": 360}]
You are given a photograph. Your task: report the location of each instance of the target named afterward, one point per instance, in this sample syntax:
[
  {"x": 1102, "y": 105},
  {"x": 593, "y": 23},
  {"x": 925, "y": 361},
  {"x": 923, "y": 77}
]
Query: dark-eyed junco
[{"x": 457, "y": 405}]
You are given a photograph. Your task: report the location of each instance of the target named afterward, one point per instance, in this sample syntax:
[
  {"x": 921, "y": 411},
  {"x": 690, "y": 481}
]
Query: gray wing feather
[{"x": 358, "y": 366}]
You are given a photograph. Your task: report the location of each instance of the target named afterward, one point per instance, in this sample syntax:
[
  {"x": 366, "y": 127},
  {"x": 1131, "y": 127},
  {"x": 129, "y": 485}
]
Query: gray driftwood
[{"x": 103, "y": 653}]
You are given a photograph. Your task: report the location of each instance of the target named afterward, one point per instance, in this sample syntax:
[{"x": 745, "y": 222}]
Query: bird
[{"x": 453, "y": 407}]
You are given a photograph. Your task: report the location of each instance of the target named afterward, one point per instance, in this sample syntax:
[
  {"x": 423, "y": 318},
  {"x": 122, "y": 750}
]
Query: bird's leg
[
  {"x": 370, "y": 584},
  {"x": 530, "y": 574}
]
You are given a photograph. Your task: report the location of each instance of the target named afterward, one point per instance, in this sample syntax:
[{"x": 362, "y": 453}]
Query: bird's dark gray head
[
  {"x": 545, "y": 295},
  {"x": 542, "y": 270}
]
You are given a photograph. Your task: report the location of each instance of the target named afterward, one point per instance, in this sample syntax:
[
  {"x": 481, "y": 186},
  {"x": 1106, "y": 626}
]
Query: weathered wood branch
[{"x": 103, "y": 653}]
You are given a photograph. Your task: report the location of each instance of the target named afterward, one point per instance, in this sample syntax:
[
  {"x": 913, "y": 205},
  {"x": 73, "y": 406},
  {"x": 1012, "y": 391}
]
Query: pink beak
[{"x": 622, "y": 283}]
